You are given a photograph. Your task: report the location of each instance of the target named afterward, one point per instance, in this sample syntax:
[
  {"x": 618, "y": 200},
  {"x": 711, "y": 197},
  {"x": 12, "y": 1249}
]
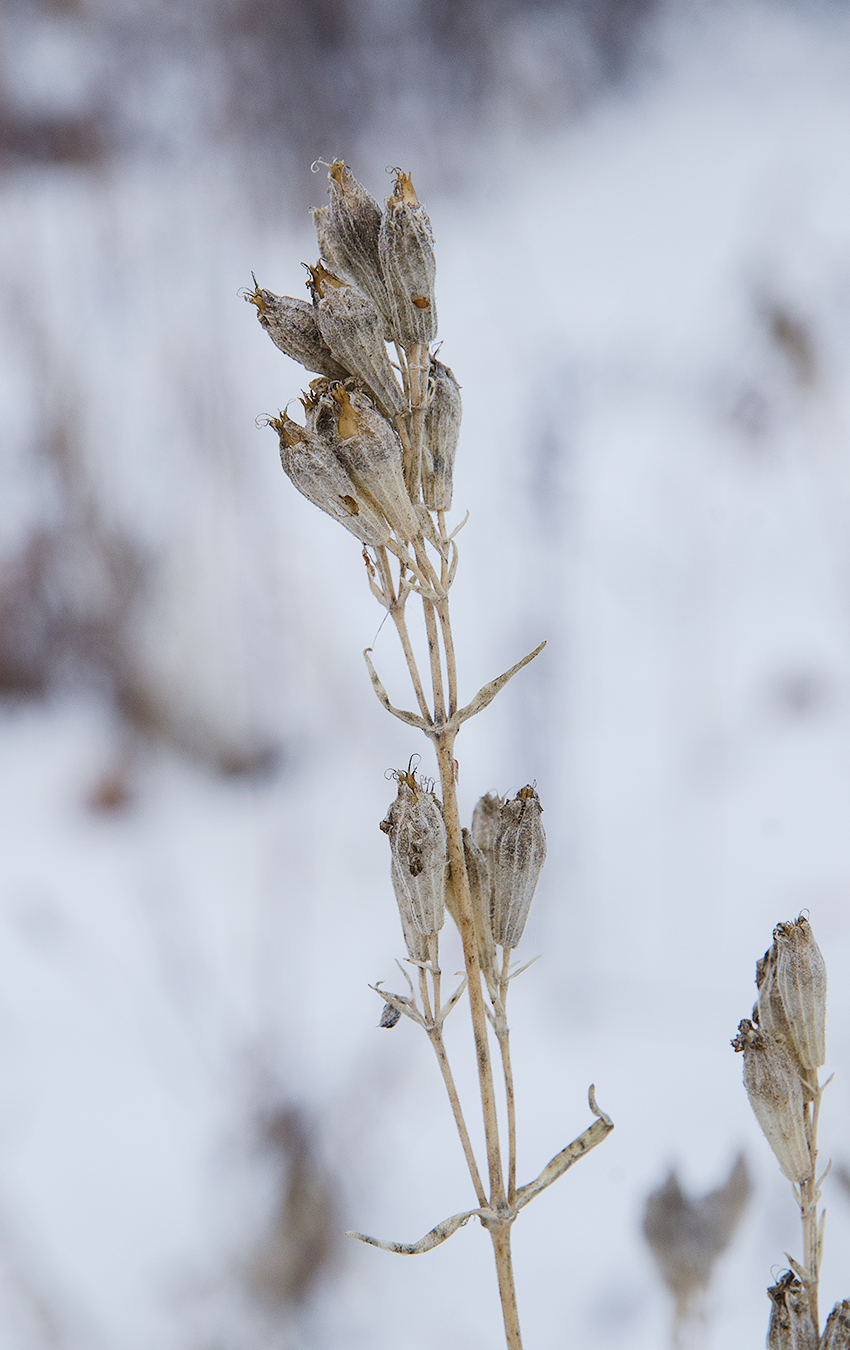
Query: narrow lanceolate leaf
[
  {"x": 519, "y": 855},
  {"x": 417, "y": 834},
  {"x": 836, "y": 1335},
  {"x": 801, "y": 981},
  {"x": 291, "y": 324},
  {"x": 406, "y": 247},
  {"x": 791, "y": 1324},
  {"x": 774, "y": 1087},
  {"x": 442, "y": 431},
  {"x": 318, "y": 474}
]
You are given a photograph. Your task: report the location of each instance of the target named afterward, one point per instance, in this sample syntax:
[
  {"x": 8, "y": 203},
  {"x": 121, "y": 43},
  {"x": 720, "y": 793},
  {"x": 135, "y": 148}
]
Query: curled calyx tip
[{"x": 591, "y": 1101}]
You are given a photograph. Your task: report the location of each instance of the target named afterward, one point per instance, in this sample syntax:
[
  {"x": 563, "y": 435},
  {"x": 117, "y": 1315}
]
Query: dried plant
[
  {"x": 376, "y": 452},
  {"x": 783, "y": 1046},
  {"x": 687, "y": 1235}
]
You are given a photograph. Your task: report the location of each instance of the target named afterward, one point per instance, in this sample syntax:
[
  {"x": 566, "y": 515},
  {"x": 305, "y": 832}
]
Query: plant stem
[
  {"x": 503, "y": 1033},
  {"x": 809, "y": 1196},
  {"x": 501, "y": 1236},
  {"x": 436, "y": 1038}
]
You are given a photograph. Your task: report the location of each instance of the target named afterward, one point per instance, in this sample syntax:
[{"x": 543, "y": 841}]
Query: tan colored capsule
[
  {"x": 442, "y": 430},
  {"x": 519, "y": 854},
  {"x": 291, "y": 324},
  {"x": 791, "y": 1324},
  {"x": 774, "y": 1087},
  {"x": 353, "y": 332},
  {"x": 417, "y": 834},
  {"x": 485, "y": 825},
  {"x": 480, "y": 888},
  {"x": 801, "y": 981},
  {"x": 350, "y": 232},
  {"x": 836, "y": 1333},
  {"x": 312, "y": 466},
  {"x": 406, "y": 250}
]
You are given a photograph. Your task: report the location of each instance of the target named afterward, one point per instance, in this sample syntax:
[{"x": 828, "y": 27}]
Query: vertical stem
[
  {"x": 503, "y": 1034},
  {"x": 809, "y": 1200},
  {"x": 436, "y": 1039},
  {"x": 504, "y": 1269}
]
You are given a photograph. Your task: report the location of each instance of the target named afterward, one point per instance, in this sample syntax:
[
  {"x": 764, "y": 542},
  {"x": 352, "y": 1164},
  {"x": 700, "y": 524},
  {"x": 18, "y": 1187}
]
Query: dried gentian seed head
[
  {"x": 836, "y": 1334},
  {"x": 442, "y": 430},
  {"x": 774, "y": 1087},
  {"x": 769, "y": 1011},
  {"x": 417, "y": 834},
  {"x": 791, "y": 1324},
  {"x": 310, "y": 463},
  {"x": 291, "y": 324},
  {"x": 369, "y": 448},
  {"x": 353, "y": 332},
  {"x": 801, "y": 981},
  {"x": 406, "y": 247},
  {"x": 519, "y": 855},
  {"x": 350, "y": 233}
]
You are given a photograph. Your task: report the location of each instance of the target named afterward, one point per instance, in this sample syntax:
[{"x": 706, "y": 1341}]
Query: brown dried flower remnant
[
  {"x": 519, "y": 854},
  {"x": 791, "y": 1324},
  {"x": 772, "y": 1080},
  {"x": 417, "y": 835}
]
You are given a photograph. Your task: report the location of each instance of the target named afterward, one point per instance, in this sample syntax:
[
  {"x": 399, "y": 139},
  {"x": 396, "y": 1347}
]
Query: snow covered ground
[{"x": 649, "y": 312}]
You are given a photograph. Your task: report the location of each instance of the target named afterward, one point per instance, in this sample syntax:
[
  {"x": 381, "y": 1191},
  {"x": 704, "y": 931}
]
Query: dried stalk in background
[{"x": 376, "y": 452}]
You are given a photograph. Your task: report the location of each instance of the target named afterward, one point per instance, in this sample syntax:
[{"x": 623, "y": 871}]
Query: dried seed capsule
[
  {"x": 772, "y": 1080},
  {"x": 801, "y": 981},
  {"x": 417, "y": 835},
  {"x": 369, "y": 449},
  {"x": 791, "y": 1324},
  {"x": 480, "y": 889},
  {"x": 519, "y": 855},
  {"x": 317, "y": 473},
  {"x": 442, "y": 429},
  {"x": 291, "y": 325},
  {"x": 769, "y": 1011},
  {"x": 836, "y": 1333},
  {"x": 350, "y": 231},
  {"x": 353, "y": 331},
  {"x": 406, "y": 247},
  {"x": 485, "y": 825},
  {"x": 416, "y": 944}
]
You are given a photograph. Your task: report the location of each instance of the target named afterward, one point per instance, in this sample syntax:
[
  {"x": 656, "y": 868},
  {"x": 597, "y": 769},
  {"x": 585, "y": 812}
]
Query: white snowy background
[{"x": 647, "y": 303}]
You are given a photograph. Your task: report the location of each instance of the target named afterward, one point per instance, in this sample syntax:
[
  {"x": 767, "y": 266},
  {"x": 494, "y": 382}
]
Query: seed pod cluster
[
  {"x": 418, "y": 847},
  {"x": 374, "y": 284},
  {"x": 785, "y": 1043}
]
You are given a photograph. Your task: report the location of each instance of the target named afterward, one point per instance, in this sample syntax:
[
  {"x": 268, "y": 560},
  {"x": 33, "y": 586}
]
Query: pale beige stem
[
  {"x": 396, "y": 608},
  {"x": 501, "y": 1236},
  {"x": 435, "y": 1036},
  {"x": 809, "y": 1201},
  {"x": 434, "y": 656},
  {"x": 503, "y": 1034}
]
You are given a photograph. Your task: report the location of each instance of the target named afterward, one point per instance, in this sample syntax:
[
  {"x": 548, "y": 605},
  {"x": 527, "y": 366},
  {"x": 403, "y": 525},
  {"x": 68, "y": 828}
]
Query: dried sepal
[
  {"x": 349, "y": 232},
  {"x": 369, "y": 449},
  {"x": 442, "y": 430},
  {"x": 406, "y": 247},
  {"x": 418, "y": 846},
  {"x": 836, "y": 1333},
  {"x": 291, "y": 324},
  {"x": 801, "y": 981},
  {"x": 354, "y": 333},
  {"x": 772, "y": 1080},
  {"x": 791, "y": 1324},
  {"x": 519, "y": 853},
  {"x": 478, "y": 875},
  {"x": 311, "y": 465}
]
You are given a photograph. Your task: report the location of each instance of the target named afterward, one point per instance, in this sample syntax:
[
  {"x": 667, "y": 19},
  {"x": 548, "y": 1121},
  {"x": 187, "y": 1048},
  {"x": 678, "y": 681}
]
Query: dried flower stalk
[{"x": 377, "y": 454}]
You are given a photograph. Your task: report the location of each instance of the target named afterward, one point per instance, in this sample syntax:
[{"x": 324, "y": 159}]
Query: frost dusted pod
[
  {"x": 442, "y": 431},
  {"x": 485, "y": 825},
  {"x": 291, "y": 324},
  {"x": 774, "y": 1087},
  {"x": 801, "y": 982},
  {"x": 349, "y": 229},
  {"x": 406, "y": 247},
  {"x": 519, "y": 853},
  {"x": 368, "y": 448},
  {"x": 311, "y": 465},
  {"x": 836, "y": 1335},
  {"x": 353, "y": 332},
  {"x": 791, "y": 1324},
  {"x": 417, "y": 835}
]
